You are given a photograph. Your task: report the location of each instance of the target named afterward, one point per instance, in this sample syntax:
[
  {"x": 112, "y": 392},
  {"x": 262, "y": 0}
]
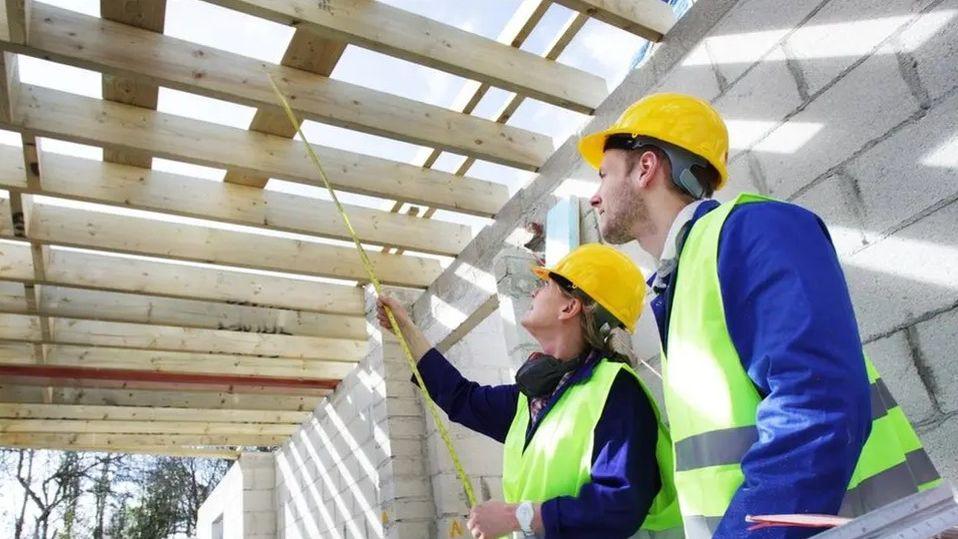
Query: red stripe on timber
[{"x": 132, "y": 375}]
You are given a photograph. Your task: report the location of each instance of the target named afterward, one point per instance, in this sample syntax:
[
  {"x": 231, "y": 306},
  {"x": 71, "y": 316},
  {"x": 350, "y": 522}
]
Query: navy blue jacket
[
  {"x": 625, "y": 475},
  {"x": 789, "y": 314}
]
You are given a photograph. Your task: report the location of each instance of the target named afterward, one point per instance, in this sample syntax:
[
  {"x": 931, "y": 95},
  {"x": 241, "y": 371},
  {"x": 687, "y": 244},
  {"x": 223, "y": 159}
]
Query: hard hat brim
[
  {"x": 541, "y": 272},
  {"x": 592, "y": 147}
]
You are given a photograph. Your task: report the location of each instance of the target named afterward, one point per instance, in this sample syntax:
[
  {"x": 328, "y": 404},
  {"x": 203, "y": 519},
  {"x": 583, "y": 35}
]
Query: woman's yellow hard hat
[
  {"x": 605, "y": 275},
  {"x": 683, "y": 120}
]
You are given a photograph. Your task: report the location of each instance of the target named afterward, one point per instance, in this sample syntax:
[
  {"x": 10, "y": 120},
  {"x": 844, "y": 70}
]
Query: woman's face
[{"x": 548, "y": 304}]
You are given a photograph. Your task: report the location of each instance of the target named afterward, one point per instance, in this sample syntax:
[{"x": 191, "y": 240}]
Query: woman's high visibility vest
[
  {"x": 712, "y": 402},
  {"x": 558, "y": 459}
]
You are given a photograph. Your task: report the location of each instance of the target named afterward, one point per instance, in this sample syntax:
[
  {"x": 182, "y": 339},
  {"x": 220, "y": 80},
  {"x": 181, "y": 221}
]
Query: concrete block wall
[
  {"x": 482, "y": 357},
  {"x": 243, "y": 501},
  {"x": 357, "y": 467}
]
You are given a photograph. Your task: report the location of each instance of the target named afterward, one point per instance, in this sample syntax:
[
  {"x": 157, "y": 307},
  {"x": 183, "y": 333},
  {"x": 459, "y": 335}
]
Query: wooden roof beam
[
  {"x": 396, "y": 32},
  {"x": 106, "y": 357},
  {"x": 51, "y": 224},
  {"x": 18, "y": 410},
  {"x": 54, "y": 375},
  {"x": 235, "y": 399},
  {"x": 74, "y": 118},
  {"x": 151, "y": 16},
  {"x": 165, "y": 278},
  {"x": 306, "y": 51},
  {"x": 113, "y": 48},
  {"x": 19, "y": 327},
  {"x": 651, "y": 19},
  {"x": 151, "y": 190}
]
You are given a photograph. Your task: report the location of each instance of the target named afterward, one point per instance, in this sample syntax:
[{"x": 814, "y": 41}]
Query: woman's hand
[
  {"x": 402, "y": 317},
  {"x": 417, "y": 342}
]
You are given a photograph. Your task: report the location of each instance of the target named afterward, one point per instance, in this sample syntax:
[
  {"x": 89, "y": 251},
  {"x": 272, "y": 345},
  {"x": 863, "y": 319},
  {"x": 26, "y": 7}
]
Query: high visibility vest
[
  {"x": 712, "y": 402},
  {"x": 558, "y": 459}
]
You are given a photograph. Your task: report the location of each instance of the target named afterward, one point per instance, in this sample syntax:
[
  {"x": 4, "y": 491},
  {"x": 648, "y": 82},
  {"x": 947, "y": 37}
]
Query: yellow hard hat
[
  {"x": 607, "y": 276},
  {"x": 683, "y": 120}
]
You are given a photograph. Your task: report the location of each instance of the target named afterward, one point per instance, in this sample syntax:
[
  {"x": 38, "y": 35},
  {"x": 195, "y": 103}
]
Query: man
[
  {"x": 773, "y": 407},
  {"x": 584, "y": 451}
]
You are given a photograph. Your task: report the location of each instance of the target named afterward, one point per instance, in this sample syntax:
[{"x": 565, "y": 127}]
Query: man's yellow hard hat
[
  {"x": 683, "y": 120},
  {"x": 607, "y": 276}
]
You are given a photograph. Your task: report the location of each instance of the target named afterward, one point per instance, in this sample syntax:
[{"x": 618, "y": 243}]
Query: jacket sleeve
[
  {"x": 488, "y": 410},
  {"x": 625, "y": 474},
  {"x": 791, "y": 320}
]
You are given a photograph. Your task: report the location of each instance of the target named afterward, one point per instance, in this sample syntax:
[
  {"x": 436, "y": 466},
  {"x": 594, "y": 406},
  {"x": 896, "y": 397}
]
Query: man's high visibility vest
[
  {"x": 712, "y": 402},
  {"x": 558, "y": 459}
]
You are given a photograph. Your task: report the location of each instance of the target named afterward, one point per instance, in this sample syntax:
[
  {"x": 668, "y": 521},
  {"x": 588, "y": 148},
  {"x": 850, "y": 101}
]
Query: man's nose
[{"x": 595, "y": 200}]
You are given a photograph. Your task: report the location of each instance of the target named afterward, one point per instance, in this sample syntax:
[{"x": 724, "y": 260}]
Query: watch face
[{"x": 524, "y": 514}]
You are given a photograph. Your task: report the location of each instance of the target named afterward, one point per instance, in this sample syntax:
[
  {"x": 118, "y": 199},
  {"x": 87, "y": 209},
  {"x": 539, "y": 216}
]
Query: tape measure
[{"x": 430, "y": 405}]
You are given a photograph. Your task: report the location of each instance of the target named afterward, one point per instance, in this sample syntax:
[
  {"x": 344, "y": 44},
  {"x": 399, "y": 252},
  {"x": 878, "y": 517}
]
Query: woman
[{"x": 585, "y": 453}]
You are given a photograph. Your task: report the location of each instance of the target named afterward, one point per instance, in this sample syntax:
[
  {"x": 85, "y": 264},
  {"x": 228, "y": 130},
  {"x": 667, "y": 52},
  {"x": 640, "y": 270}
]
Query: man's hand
[{"x": 492, "y": 519}]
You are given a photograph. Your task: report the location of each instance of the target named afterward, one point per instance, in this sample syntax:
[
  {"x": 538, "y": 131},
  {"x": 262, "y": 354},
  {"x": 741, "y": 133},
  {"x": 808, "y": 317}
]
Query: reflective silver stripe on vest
[
  {"x": 699, "y": 527},
  {"x": 881, "y": 399},
  {"x": 890, "y": 485},
  {"x": 921, "y": 467},
  {"x": 726, "y": 446}
]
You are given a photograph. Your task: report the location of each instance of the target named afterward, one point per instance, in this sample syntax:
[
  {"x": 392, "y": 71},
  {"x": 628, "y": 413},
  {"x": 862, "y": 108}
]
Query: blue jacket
[
  {"x": 790, "y": 317},
  {"x": 625, "y": 475}
]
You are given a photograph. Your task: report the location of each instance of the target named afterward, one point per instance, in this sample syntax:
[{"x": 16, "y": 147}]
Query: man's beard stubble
[{"x": 619, "y": 220}]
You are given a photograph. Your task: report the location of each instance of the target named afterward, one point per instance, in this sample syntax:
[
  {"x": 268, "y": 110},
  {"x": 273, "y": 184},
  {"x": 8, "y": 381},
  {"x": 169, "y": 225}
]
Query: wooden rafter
[
  {"x": 74, "y": 118},
  {"x": 308, "y": 52},
  {"x": 21, "y": 327},
  {"x": 150, "y": 15},
  {"x": 383, "y": 28},
  {"x": 650, "y": 19},
  {"x": 50, "y": 224},
  {"x": 515, "y": 33},
  {"x": 144, "y": 189},
  {"x": 17, "y": 410},
  {"x": 227, "y": 400},
  {"x": 103, "y": 357},
  {"x": 89, "y": 42},
  {"x": 98, "y": 271}
]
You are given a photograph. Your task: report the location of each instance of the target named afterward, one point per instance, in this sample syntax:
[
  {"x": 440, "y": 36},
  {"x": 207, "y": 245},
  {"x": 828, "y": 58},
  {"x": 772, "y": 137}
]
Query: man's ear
[{"x": 644, "y": 167}]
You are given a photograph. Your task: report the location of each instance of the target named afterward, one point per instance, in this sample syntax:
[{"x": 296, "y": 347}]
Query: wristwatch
[{"x": 524, "y": 514}]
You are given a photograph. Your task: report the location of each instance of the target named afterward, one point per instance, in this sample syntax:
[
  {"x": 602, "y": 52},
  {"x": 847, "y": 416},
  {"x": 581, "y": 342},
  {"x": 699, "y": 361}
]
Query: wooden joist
[
  {"x": 14, "y": 17},
  {"x": 61, "y": 442},
  {"x": 144, "y": 189},
  {"x": 650, "y": 19},
  {"x": 50, "y": 224},
  {"x": 112, "y": 48},
  {"x": 169, "y": 279},
  {"x": 389, "y": 30},
  {"x": 57, "y": 376},
  {"x": 66, "y": 302},
  {"x": 121, "y": 442},
  {"x": 85, "y": 120},
  {"x": 18, "y": 410},
  {"x": 21, "y": 327},
  {"x": 308, "y": 52},
  {"x": 143, "y": 427},
  {"x": 103, "y": 357},
  {"x": 232, "y": 400},
  {"x": 150, "y": 15}
]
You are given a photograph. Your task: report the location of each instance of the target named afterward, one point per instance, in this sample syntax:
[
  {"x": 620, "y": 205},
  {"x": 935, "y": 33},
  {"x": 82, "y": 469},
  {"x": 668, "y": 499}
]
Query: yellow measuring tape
[{"x": 440, "y": 425}]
